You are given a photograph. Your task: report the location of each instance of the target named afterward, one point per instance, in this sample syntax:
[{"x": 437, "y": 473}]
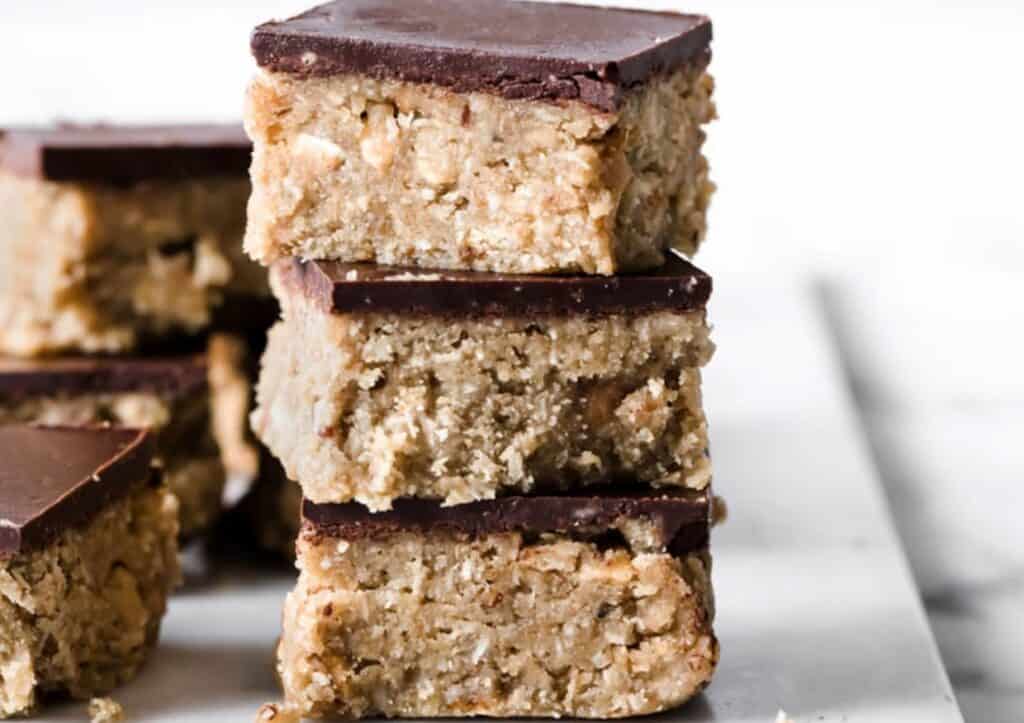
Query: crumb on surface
[
  {"x": 783, "y": 717},
  {"x": 277, "y": 713},
  {"x": 105, "y": 710}
]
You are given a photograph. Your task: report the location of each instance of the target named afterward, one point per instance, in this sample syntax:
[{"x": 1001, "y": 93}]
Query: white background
[{"x": 869, "y": 133}]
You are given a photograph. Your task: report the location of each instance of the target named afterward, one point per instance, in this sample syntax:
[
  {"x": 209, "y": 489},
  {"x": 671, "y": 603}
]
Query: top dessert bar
[
  {"x": 116, "y": 235},
  {"x": 484, "y": 135}
]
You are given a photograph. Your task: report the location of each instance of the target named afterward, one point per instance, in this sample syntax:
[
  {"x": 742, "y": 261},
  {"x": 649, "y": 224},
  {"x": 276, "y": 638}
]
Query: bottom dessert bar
[
  {"x": 169, "y": 395},
  {"x": 586, "y": 606},
  {"x": 88, "y": 556}
]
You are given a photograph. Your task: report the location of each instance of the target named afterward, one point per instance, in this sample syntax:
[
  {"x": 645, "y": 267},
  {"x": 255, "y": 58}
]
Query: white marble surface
[
  {"x": 817, "y": 612},
  {"x": 818, "y": 615},
  {"x": 938, "y": 377}
]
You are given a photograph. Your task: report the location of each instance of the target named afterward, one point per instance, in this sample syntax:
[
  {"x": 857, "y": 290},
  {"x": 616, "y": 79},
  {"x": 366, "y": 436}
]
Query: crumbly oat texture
[
  {"x": 105, "y": 710},
  {"x": 438, "y": 625},
  {"x": 78, "y": 616},
  {"x": 186, "y": 450},
  {"x": 99, "y": 268},
  {"x": 373, "y": 407},
  {"x": 359, "y": 169}
]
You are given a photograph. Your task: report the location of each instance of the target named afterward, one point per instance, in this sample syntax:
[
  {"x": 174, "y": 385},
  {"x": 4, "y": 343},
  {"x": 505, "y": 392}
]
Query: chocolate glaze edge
[
  {"x": 125, "y": 155},
  {"x": 589, "y": 88},
  {"x": 361, "y": 288},
  {"x": 307, "y": 45},
  {"x": 172, "y": 377},
  {"x": 37, "y": 522},
  {"x": 683, "y": 519}
]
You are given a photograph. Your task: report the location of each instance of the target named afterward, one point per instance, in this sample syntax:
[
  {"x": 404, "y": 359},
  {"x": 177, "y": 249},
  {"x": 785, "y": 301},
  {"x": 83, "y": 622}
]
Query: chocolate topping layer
[
  {"x": 53, "y": 478},
  {"x": 125, "y": 154},
  {"x": 518, "y": 50},
  {"x": 344, "y": 288},
  {"x": 682, "y": 518},
  {"x": 169, "y": 376}
]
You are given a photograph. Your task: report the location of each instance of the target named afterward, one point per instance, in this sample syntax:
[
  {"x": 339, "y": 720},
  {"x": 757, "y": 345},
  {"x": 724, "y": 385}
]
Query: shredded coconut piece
[{"x": 412, "y": 276}]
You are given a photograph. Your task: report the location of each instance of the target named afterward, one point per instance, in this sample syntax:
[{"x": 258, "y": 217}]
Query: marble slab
[
  {"x": 817, "y": 612},
  {"x": 941, "y": 394}
]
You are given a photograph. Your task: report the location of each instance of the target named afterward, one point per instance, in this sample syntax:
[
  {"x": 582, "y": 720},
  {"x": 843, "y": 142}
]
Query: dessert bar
[
  {"x": 267, "y": 517},
  {"x": 169, "y": 396},
  {"x": 584, "y": 606},
  {"x": 480, "y": 134},
  {"x": 88, "y": 555},
  {"x": 115, "y": 234},
  {"x": 382, "y": 383}
]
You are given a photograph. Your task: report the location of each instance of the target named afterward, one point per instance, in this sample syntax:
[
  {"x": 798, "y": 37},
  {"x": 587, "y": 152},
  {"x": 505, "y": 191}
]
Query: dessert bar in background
[
  {"x": 480, "y": 134},
  {"x": 381, "y": 383},
  {"x": 586, "y": 606},
  {"x": 268, "y": 516},
  {"x": 88, "y": 556},
  {"x": 114, "y": 235},
  {"x": 169, "y": 396},
  {"x": 233, "y": 361}
]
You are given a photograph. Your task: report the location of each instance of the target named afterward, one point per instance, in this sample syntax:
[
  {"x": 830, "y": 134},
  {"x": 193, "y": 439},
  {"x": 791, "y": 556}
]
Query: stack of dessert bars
[
  {"x": 120, "y": 253},
  {"x": 486, "y": 379}
]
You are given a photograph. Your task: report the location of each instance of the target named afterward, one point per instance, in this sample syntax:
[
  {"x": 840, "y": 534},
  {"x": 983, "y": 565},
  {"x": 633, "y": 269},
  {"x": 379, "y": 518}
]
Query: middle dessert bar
[{"x": 382, "y": 383}]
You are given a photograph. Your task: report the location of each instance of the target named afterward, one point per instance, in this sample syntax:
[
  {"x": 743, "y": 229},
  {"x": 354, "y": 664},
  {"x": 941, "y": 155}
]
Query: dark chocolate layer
[
  {"x": 173, "y": 377},
  {"x": 518, "y": 50},
  {"x": 344, "y": 288},
  {"x": 54, "y": 478},
  {"x": 125, "y": 154},
  {"x": 682, "y": 518}
]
